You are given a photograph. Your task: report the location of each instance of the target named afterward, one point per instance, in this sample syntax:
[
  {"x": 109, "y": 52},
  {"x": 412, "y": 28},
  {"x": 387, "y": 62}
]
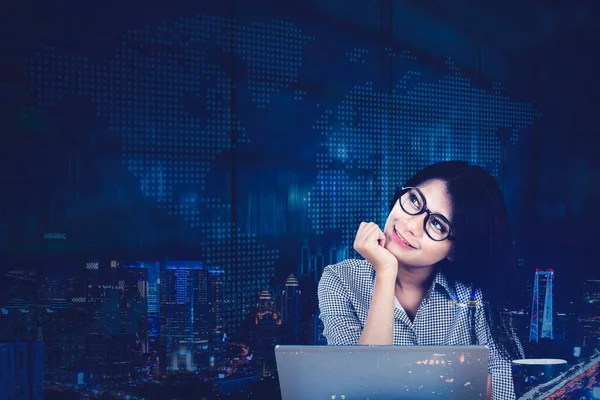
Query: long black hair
[{"x": 483, "y": 254}]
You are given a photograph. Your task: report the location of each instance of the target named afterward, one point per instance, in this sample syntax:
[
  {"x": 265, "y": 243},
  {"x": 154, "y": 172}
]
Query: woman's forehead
[{"x": 437, "y": 197}]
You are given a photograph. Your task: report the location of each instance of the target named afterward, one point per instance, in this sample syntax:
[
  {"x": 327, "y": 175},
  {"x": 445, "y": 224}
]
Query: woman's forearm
[{"x": 379, "y": 327}]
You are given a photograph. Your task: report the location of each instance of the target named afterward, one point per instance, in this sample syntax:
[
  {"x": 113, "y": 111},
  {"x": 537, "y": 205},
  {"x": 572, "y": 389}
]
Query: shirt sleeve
[
  {"x": 341, "y": 326},
  {"x": 499, "y": 367}
]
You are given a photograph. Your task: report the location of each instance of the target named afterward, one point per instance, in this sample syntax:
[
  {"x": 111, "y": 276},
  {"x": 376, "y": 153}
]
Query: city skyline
[
  {"x": 179, "y": 175},
  {"x": 154, "y": 319}
]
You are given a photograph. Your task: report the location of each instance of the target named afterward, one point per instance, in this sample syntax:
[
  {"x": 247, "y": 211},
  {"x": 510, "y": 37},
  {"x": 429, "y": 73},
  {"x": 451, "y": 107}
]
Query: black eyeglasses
[{"x": 436, "y": 226}]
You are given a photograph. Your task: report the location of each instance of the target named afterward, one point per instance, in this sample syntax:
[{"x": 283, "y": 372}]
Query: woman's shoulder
[
  {"x": 351, "y": 272},
  {"x": 463, "y": 292},
  {"x": 351, "y": 268},
  {"x": 354, "y": 278}
]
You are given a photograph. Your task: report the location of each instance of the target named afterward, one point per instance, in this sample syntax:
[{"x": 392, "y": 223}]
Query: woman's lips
[{"x": 398, "y": 238}]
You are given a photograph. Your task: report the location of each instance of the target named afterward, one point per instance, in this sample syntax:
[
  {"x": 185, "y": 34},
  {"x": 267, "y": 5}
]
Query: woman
[{"x": 438, "y": 274}]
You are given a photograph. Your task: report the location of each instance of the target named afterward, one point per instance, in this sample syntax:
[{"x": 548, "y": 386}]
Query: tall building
[
  {"x": 109, "y": 349},
  {"x": 19, "y": 312},
  {"x": 589, "y": 312},
  {"x": 318, "y": 264},
  {"x": 141, "y": 302},
  {"x": 21, "y": 371},
  {"x": 561, "y": 324},
  {"x": 217, "y": 351},
  {"x": 62, "y": 329},
  {"x": 313, "y": 264},
  {"x": 95, "y": 345},
  {"x": 153, "y": 304},
  {"x": 188, "y": 316},
  {"x": 291, "y": 311},
  {"x": 304, "y": 266},
  {"x": 64, "y": 342},
  {"x": 267, "y": 334},
  {"x": 541, "y": 308},
  {"x": 333, "y": 255}
]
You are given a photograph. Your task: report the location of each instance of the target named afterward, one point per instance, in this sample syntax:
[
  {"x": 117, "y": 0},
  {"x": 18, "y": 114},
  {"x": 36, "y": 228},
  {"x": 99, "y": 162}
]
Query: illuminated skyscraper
[
  {"x": 333, "y": 255},
  {"x": 318, "y": 264},
  {"x": 305, "y": 260},
  {"x": 217, "y": 349},
  {"x": 291, "y": 311},
  {"x": 142, "y": 300},
  {"x": 589, "y": 312},
  {"x": 267, "y": 333},
  {"x": 189, "y": 310},
  {"x": 542, "y": 301},
  {"x": 108, "y": 348},
  {"x": 153, "y": 302}
]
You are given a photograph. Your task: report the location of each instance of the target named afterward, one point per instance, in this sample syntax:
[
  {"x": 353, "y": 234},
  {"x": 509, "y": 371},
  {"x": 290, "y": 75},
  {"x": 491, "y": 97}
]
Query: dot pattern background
[
  {"x": 373, "y": 141},
  {"x": 173, "y": 103},
  {"x": 173, "y": 110}
]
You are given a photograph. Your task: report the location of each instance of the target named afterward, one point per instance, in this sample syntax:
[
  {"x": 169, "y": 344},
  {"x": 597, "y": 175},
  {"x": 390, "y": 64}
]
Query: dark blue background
[
  {"x": 277, "y": 123},
  {"x": 540, "y": 53}
]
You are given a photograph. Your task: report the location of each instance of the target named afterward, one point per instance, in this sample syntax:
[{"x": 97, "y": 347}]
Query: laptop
[{"x": 382, "y": 372}]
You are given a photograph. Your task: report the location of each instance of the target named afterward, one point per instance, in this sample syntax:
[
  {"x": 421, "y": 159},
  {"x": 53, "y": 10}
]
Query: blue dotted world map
[{"x": 369, "y": 143}]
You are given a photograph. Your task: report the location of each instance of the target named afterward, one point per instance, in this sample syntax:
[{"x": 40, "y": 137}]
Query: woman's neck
[{"x": 415, "y": 279}]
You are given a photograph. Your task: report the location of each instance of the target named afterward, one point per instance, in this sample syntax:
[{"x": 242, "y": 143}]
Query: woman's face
[{"x": 405, "y": 236}]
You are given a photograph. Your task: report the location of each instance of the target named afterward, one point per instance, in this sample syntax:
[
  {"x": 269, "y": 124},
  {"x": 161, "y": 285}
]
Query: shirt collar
[{"x": 440, "y": 279}]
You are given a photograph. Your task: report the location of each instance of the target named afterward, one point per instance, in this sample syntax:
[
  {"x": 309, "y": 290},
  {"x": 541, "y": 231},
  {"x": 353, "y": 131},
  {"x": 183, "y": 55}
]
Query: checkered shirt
[{"x": 345, "y": 292}]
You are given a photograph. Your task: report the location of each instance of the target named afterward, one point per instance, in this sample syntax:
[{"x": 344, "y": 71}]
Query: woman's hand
[{"x": 370, "y": 243}]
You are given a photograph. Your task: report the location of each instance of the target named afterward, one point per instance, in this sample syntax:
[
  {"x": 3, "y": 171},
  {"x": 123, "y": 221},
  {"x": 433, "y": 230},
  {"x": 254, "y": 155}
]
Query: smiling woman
[{"x": 434, "y": 275}]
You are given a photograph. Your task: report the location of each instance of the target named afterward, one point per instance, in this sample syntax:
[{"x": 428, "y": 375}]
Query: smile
[{"x": 398, "y": 238}]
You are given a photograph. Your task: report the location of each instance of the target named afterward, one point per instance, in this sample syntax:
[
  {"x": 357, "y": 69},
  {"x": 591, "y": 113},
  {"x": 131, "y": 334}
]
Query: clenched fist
[{"x": 370, "y": 243}]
